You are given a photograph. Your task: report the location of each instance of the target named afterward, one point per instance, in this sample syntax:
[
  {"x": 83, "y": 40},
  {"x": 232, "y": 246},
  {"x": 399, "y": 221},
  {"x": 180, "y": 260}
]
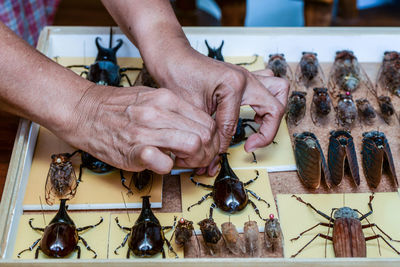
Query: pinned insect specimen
[
  {"x": 296, "y": 107},
  {"x": 211, "y": 234},
  {"x": 183, "y": 231},
  {"x": 251, "y": 237},
  {"x": 228, "y": 192},
  {"x": 60, "y": 238},
  {"x": 233, "y": 242},
  {"x": 277, "y": 63},
  {"x": 272, "y": 234},
  {"x": 386, "y": 107},
  {"x": 309, "y": 71},
  {"x": 366, "y": 111},
  {"x": 310, "y": 160},
  {"x": 240, "y": 133},
  {"x": 105, "y": 70},
  {"x": 347, "y": 236},
  {"x": 61, "y": 182},
  {"x": 321, "y": 105},
  {"x": 146, "y": 237},
  {"x": 346, "y": 110},
  {"x": 389, "y": 73},
  {"x": 139, "y": 180},
  {"x": 216, "y": 53},
  {"x": 376, "y": 156},
  {"x": 341, "y": 150},
  {"x": 145, "y": 78}
]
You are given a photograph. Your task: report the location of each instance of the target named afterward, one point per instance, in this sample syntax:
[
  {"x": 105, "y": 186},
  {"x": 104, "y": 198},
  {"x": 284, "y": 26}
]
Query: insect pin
[
  {"x": 347, "y": 235},
  {"x": 211, "y": 235},
  {"x": 60, "y": 237},
  {"x": 146, "y": 237},
  {"x": 376, "y": 156},
  {"x": 296, "y": 107},
  {"x": 310, "y": 160},
  {"x": 272, "y": 234},
  {"x": 61, "y": 182},
  {"x": 233, "y": 241},
  {"x": 228, "y": 192},
  {"x": 341, "y": 149}
]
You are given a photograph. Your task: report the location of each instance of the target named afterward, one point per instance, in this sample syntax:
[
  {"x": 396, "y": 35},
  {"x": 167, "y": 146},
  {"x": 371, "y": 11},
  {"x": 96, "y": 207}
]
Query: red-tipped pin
[
  {"x": 347, "y": 93},
  {"x": 181, "y": 220},
  {"x": 271, "y": 216}
]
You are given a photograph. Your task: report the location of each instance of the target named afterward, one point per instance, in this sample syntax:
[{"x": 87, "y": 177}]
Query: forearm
[
  {"x": 35, "y": 87},
  {"x": 152, "y": 26}
]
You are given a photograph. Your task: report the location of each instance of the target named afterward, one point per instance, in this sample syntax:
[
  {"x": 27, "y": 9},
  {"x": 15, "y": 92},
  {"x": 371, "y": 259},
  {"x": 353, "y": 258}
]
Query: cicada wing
[
  {"x": 372, "y": 159},
  {"x": 352, "y": 160},
  {"x": 321, "y": 76},
  {"x": 324, "y": 166},
  {"x": 308, "y": 162},
  {"x": 61, "y": 182},
  {"x": 389, "y": 164},
  {"x": 336, "y": 158},
  {"x": 48, "y": 192},
  {"x": 298, "y": 75}
]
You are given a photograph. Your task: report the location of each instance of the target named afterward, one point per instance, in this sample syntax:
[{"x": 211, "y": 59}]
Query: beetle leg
[
  {"x": 169, "y": 227},
  {"x": 379, "y": 236},
  {"x": 371, "y": 197},
  {"x": 213, "y": 205},
  {"x": 248, "y": 125},
  {"x": 252, "y": 180},
  {"x": 256, "y": 209},
  {"x": 318, "y": 235},
  {"x": 78, "y": 66},
  {"x": 80, "y": 229},
  {"x": 37, "y": 252},
  {"x": 312, "y": 207},
  {"x": 200, "y": 184},
  {"x": 80, "y": 173},
  {"x": 373, "y": 224},
  {"x": 122, "y": 244},
  {"x": 120, "y": 226},
  {"x": 84, "y": 72},
  {"x": 163, "y": 253},
  {"x": 200, "y": 201},
  {"x": 128, "y": 253},
  {"x": 123, "y": 179},
  {"x": 170, "y": 248},
  {"x": 30, "y": 248},
  {"x": 127, "y": 78},
  {"x": 254, "y": 157},
  {"x": 302, "y": 233},
  {"x": 78, "y": 248},
  {"x": 87, "y": 246},
  {"x": 35, "y": 228},
  {"x": 257, "y": 197}
]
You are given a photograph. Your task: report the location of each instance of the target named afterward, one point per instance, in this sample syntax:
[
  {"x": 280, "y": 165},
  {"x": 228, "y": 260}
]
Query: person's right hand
[{"x": 135, "y": 128}]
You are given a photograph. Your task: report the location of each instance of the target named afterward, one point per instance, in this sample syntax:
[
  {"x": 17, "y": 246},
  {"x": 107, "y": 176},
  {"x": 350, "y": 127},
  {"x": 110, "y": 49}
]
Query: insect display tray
[{"x": 367, "y": 44}]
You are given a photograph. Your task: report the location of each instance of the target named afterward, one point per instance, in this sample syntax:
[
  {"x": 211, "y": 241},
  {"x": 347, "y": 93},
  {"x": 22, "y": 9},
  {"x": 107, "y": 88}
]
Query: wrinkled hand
[
  {"x": 135, "y": 128},
  {"x": 222, "y": 88}
]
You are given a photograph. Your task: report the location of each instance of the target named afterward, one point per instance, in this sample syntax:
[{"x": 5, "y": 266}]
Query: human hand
[
  {"x": 222, "y": 88},
  {"x": 135, "y": 129}
]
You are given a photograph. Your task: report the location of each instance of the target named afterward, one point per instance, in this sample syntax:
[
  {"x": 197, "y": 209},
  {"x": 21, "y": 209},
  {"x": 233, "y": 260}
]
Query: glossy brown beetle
[
  {"x": 376, "y": 156},
  {"x": 341, "y": 150},
  {"x": 60, "y": 238},
  {"x": 296, "y": 107},
  {"x": 211, "y": 234},
  {"x": 346, "y": 110},
  {"x": 61, "y": 182},
  {"x": 347, "y": 236},
  {"x": 228, "y": 192},
  {"x": 146, "y": 237},
  {"x": 310, "y": 160},
  {"x": 366, "y": 111},
  {"x": 272, "y": 234},
  {"x": 321, "y": 104},
  {"x": 240, "y": 133}
]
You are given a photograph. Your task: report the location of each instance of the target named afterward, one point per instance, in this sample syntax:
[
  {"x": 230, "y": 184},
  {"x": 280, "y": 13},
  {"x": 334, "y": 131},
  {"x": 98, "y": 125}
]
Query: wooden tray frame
[{"x": 11, "y": 202}]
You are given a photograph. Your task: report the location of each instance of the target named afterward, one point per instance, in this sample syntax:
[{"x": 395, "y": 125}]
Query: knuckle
[
  {"x": 146, "y": 155},
  {"x": 193, "y": 144},
  {"x": 165, "y": 95},
  {"x": 237, "y": 78}
]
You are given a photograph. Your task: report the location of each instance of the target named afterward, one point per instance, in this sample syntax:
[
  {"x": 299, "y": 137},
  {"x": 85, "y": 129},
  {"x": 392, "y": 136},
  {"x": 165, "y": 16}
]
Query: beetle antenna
[
  {"x": 111, "y": 36},
  {"x": 41, "y": 206},
  {"x": 127, "y": 213}
]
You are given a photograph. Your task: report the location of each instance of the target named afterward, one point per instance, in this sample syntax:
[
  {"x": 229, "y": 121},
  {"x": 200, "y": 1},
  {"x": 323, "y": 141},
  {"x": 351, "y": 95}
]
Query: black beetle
[
  {"x": 216, "y": 53},
  {"x": 139, "y": 180},
  {"x": 240, "y": 133},
  {"x": 60, "y": 238},
  {"x": 228, "y": 192},
  {"x": 347, "y": 237},
  {"x": 146, "y": 237},
  {"x": 105, "y": 70}
]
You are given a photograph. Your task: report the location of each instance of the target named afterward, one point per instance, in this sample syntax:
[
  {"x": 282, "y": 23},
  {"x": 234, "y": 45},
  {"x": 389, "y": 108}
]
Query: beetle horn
[
  {"x": 120, "y": 42},
  {"x": 220, "y": 47},
  {"x": 99, "y": 47},
  {"x": 208, "y": 46}
]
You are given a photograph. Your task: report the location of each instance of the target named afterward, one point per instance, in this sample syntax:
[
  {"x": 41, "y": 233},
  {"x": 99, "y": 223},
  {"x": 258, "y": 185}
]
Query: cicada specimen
[
  {"x": 211, "y": 235},
  {"x": 61, "y": 182},
  {"x": 376, "y": 157},
  {"x": 386, "y": 108},
  {"x": 309, "y": 72},
  {"x": 277, "y": 63},
  {"x": 346, "y": 110},
  {"x": 389, "y": 73},
  {"x": 233, "y": 241},
  {"x": 251, "y": 238},
  {"x": 366, "y": 111},
  {"x": 342, "y": 150},
  {"x": 296, "y": 107},
  {"x": 272, "y": 234},
  {"x": 320, "y": 106}
]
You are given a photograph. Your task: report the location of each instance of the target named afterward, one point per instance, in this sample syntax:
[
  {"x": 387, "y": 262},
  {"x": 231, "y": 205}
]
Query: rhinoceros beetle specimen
[
  {"x": 240, "y": 134},
  {"x": 60, "y": 238},
  {"x": 146, "y": 237},
  {"x": 139, "y": 180},
  {"x": 228, "y": 192},
  {"x": 105, "y": 70},
  {"x": 216, "y": 53}
]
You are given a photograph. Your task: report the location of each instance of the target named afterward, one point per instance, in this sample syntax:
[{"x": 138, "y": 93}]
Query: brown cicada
[
  {"x": 386, "y": 107},
  {"x": 320, "y": 106},
  {"x": 251, "y": 237},
  {"x": 366, "y": 111},
  {"x": 296, "y": 107},
  {"x": 309, "y": 72},
  {"x": 376, "y": 156},
  {"x": 277, "y": 63},
  {"x": 346, "y": 110},
  {"x": 341, "y": 149},
  {"x": 211, "y": 235},
  {"x": 61, "y": 182},
  {"x": 272, "y": 234},
  {"x": 389, "y": 73},
  {"x": 233, "y": 241}
]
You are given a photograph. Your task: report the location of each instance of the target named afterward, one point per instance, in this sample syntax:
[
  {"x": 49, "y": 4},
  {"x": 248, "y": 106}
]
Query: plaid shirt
[{"x": 28, "y": 17}]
